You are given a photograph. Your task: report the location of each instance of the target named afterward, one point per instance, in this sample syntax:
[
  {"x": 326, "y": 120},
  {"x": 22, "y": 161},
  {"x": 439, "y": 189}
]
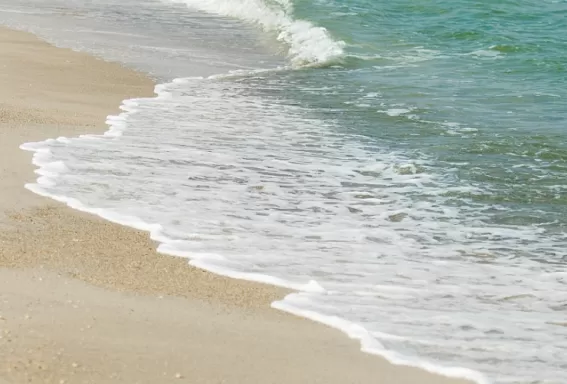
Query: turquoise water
[
  {"x": 402, "y": 164},
  {"x": 485, "y": 85}
]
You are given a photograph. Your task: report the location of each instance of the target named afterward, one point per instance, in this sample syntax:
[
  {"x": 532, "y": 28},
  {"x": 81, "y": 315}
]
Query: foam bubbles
[{"x": 248, "y": 186}]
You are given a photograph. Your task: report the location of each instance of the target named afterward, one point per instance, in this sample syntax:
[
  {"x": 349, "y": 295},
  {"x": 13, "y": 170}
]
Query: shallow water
[{"x": 405, "y": 170}]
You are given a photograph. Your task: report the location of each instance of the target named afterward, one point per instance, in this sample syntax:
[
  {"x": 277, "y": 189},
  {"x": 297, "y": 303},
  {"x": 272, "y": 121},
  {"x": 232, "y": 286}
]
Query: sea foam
[{"x": 218, "y": 238}]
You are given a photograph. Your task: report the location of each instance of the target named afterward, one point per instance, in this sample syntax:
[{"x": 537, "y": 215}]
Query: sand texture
[{"x": 83, "y": 300}]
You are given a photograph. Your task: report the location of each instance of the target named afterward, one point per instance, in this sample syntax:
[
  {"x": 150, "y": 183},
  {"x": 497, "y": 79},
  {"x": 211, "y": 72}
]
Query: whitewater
[{"x": 252, "y": 171}]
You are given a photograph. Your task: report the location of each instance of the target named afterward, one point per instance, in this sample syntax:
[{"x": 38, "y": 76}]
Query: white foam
[
  {"x": 247, "y": 187},
  {"x": 311, "y": 286},
  {"x": 308, "y": 44},
  {"x": 397, "y": 111}
]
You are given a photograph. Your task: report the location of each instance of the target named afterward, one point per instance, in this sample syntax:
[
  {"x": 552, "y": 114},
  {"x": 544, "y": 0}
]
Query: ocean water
[{"x": 402, "y": 164}]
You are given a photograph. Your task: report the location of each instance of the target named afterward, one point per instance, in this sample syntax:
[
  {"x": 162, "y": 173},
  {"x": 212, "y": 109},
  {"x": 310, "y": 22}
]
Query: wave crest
[{"x": 308, "y": 44}]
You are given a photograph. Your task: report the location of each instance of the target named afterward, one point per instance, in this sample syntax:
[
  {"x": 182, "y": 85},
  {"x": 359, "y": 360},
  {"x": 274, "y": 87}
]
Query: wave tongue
[
  {"x": 308, "y": 44},
  {"x": 245, "y": 183}
]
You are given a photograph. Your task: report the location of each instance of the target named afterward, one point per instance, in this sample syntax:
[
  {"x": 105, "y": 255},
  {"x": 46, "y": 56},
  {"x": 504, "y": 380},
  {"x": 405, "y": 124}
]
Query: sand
[{"x": 83, "y": 300}]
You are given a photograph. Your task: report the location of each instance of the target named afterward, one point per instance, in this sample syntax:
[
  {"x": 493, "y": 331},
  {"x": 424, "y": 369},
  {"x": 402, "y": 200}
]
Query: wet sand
[{"x": 83, "y": 300}]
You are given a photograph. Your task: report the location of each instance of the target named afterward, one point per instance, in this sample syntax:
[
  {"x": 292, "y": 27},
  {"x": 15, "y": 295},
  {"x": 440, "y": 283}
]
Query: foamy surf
[
  {"x": 308, "y": 44},
  {"x": 52, "y": 171},
  {"x": 327, "y": 172},
  {"x": 293, "y": 303},
  {"x": 247, "y": 188}
]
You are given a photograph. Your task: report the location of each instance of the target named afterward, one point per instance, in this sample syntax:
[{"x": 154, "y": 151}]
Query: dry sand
[{"x": 86, "y": 301}]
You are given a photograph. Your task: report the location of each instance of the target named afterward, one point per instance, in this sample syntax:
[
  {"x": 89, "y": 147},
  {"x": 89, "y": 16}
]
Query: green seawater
[{"x": 478, "y": 88}]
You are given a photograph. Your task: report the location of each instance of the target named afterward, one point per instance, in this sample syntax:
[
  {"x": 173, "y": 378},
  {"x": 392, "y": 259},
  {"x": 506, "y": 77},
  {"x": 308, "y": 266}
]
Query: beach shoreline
[{"x": 86, "y": 300}]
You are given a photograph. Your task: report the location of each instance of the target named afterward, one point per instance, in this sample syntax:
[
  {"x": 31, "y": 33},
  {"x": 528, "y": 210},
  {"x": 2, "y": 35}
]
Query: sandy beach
[{"x": 83, "y": 300}]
